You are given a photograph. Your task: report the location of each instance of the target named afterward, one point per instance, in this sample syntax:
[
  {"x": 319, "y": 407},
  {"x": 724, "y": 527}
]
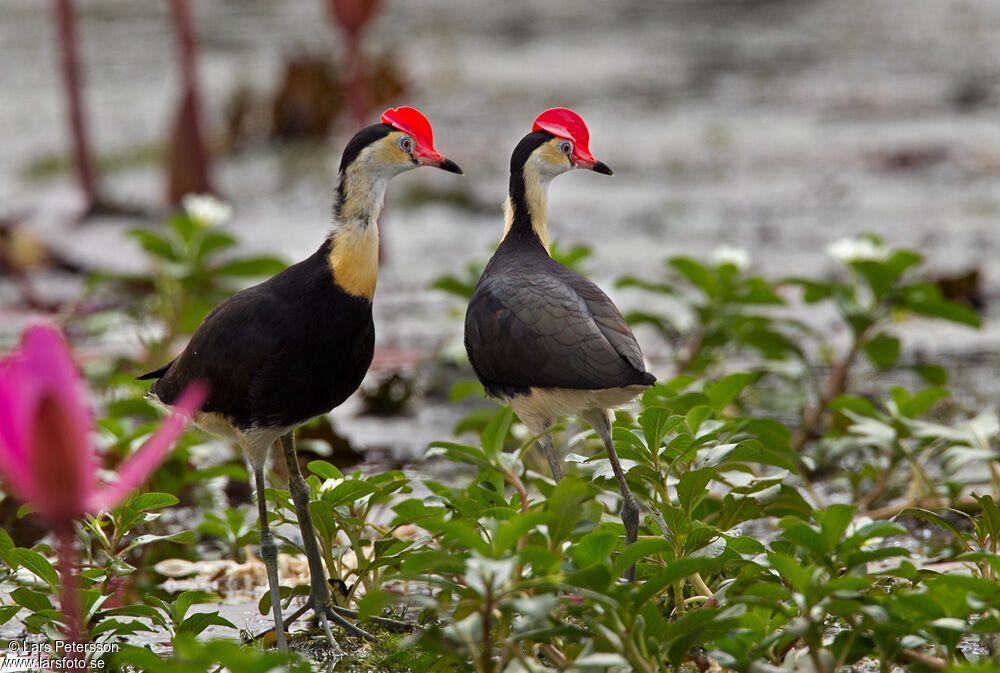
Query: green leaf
[
  {"x": 655, "y": 423},
  {"x": 669, "y": 574},
  {"x": 698, "y": 415},
  {"x": 595, "y": 547},
  {"x": 181, "y": 537},
  {"x": 32, "y": 600},
  {"x": 926, "y": 299},
  {"x": 183, "y": 603},
  {"x": 37, "y": 564},
  {"x": 6, "y": 550},
  {"x": 902, "y": 260},
  {"x": 495, "y": 432},
  {"x": 461, "y": 533},
  {"x": 936, "y": 519},
  {"x": 372, "y": 603},
  {"x": 883, "y": 350},
  {"x": 510, "y": 531},
  {"x": 691, "y": 487},
  {"x": 917, "y": 405},
  {"x": 200, "y": 621},
  {"x": 215, "y": 241},
  {"x": 790, "y": 569},
  {"x": 834, "y": 522},
  {"x": 879, "y": 276},
  {"x": 147, "y": 501},
  {"x": 7, "y": 613},
  {"x": 812, "y": 291},
  {"x": 697, "y": 273},
  {"x": 466, "y": 388},
  {"x": 154, "y": 244},
  {"x": 723, "y": 392},
  {"x": 324, "y": 470},
  {"x": 936, "y": 375},
  {"x": 347, "y": 492},
  {"x": 641, "y": 549},
  {"x": 807, "y": 538},
  {"x": 284, "y": 594},
  {"x": 565, "y": 507}
]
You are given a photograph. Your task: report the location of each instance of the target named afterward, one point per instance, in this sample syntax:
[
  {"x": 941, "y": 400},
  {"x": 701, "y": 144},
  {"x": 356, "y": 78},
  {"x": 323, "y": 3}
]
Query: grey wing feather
[
  {"x": 549, "y": 330},
  {"x": 611, "y": 322}
]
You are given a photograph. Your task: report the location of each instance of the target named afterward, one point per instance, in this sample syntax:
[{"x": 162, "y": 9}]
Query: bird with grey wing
[{"x": 540, "y": 336}]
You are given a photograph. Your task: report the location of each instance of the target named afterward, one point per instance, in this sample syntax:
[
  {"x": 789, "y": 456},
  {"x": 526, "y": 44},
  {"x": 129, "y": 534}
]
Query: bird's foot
[
  {"x": 321, "y": 612},
  {"x": 339, "y": 616}
]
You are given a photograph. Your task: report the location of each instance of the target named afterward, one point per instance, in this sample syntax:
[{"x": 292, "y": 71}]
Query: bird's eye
[
  {"x": 566, "y": 147},
  {"x": 405, "y": 143}
]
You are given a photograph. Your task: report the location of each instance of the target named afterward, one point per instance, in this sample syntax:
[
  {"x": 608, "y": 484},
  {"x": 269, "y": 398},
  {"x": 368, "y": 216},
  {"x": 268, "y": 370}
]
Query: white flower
[
  {"x": 848, "y": 250},
  {"x": 726, "y": 254},
  {"x": 331, "y": 484},
  {"x": 206, "y": 210}
]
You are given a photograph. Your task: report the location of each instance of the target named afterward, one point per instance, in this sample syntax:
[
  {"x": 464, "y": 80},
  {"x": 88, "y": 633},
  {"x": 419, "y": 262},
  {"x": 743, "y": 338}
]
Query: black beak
[
  {"x": 601, "y": 167},
  {"x": 450, "y": 166}
]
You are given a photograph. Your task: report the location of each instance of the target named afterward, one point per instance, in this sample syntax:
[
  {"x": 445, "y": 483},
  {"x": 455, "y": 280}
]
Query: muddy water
[{"x": 774, "y": 126}]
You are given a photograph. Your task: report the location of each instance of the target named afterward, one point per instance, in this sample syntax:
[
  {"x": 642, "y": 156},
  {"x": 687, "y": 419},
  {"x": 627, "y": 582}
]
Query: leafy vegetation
[{"x": 793, "y": 518}]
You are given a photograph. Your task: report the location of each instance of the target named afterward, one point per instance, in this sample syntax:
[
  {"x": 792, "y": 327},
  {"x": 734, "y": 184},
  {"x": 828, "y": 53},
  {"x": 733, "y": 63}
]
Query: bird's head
[
  {"x": 403, "y": 140},
  {"x": 558, "y": 142}
]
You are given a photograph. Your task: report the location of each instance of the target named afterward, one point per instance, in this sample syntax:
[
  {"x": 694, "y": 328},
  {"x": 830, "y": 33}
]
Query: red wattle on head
[
  {"x": 408, "y": 120},
  {"x": 567, "y": 124}
]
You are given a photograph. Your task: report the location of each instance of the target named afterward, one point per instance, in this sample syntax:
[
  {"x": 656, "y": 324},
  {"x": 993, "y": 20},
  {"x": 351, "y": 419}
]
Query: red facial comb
[
  {"x": 567, "y": 124},
  {"x": 409, "y": 120}
]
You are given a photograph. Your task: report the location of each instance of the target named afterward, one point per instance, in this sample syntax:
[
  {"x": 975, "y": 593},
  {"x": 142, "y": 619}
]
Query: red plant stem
[
  {"x": 357, "y": 89},
  {"x": 70, "y": 582},
  {"x": 187, "y": 135},
  {"x": 185, "y": 43},
  {"x": 71, "y": 82}
]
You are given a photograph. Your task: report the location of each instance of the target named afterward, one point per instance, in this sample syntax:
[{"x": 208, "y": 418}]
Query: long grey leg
[
  {"x": 319, "y": 594},
  {"x": 600, "y": 419},
  {"x": 269, "y": 553},
  {"x": 550, "y": 452}
]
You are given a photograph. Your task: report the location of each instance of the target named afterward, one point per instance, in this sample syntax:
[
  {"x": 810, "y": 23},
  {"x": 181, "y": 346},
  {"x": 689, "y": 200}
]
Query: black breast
[{"x": 279, "y": 353}]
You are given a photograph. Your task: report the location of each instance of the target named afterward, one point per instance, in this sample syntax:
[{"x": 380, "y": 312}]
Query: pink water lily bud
[
  {"x": 47, "y": 454},
  {"x": 353, "y": 14}
]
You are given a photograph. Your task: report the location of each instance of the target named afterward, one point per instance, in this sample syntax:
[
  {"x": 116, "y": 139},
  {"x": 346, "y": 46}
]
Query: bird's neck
[
  {"x": 526, "y": 210},
  {"x": 354, "y": 241}
]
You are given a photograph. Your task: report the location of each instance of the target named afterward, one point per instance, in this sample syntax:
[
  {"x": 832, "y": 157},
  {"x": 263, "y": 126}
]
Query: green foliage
[
  {"x": 724, "y": 313},
  {"x": 235, "y": 528},
  {"x": 193, "y": 268},
  {"x": 112, "y": 541},
  {"x": 739, "y": 560},
  {"x": 346, "y": 506},
  {"x": 194, "y": 656}
]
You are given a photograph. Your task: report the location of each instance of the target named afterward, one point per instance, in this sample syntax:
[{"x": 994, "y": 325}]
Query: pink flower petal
[
  {"x": 58, "y": 464},
  {"x": 18, "y": 397},
  {"x": 41, "y": 367},
  {"x": 141, "y": 464}
]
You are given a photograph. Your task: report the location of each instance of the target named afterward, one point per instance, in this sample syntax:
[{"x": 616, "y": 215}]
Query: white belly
[
  {"x": 542, "y": 406},
  {"x": 255, "y": 443}
]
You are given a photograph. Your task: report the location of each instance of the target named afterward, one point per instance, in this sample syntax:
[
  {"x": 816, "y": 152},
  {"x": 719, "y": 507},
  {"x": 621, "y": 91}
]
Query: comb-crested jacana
[
  {"x": 283, "y": 352},
  {"x": 541, "y": 336}
]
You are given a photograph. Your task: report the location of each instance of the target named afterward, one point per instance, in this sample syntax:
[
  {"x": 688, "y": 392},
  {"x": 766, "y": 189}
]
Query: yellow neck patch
[{"x": 353, "y": 258}]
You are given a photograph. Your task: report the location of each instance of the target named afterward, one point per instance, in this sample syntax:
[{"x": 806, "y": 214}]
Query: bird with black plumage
[
  {"x": 294, "y": 347},
  {"x": 540, "y": 336}
]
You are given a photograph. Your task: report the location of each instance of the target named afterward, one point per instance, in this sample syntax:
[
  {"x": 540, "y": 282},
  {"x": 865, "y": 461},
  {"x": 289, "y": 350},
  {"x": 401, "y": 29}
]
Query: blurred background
[{"x": 775, "y": 126}]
